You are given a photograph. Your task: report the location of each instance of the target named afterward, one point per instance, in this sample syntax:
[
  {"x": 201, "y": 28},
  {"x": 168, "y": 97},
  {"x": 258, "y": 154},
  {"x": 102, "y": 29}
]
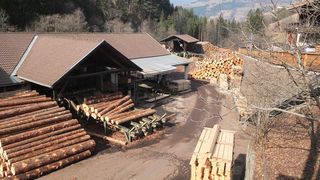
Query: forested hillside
[{"x": 157, "y": 17}]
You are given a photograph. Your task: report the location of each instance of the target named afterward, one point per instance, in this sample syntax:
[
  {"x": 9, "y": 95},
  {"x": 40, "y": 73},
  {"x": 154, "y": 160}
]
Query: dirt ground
[
  {"x": 288, "y": 151},
  {"x": 168, "y": 156}
]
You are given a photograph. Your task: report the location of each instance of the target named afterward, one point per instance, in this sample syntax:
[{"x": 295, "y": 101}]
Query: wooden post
[{"x": 186, "y": 71}]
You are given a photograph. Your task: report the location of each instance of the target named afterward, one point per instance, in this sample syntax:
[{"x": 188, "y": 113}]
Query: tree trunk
[
  {"x": 32, "y": 163},
  {"x": 49, "y": 149},
  {"x": 29, "y": 141},
  {"x": 120, "y": 109},
  {"x": 104, "y": 105},
  {"x": 97, "y": 97},
  {"x": 146, "y": 112},
  {"x": 52, "y": 167},
  {"x": 42, "y": 141},
  {"x": 35, "y": 123},
  {"x": 15, "y": 95},
  {"x": 31, "y": 114},
  {"x": 123, "y": 115},
  {"x": 15, "y": 102},
  {"x": 35, "y": 118},
  {"x": 120, "y": 101},
  {"x": 18, "y": 111},
  {"x": 9, "y": 154},
  {"x": 37, "y": 132},
  {"x": 103, "y": 99}
]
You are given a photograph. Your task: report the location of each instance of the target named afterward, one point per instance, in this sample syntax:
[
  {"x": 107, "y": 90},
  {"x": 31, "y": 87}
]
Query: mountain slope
[{"x": 237, "y": 9}]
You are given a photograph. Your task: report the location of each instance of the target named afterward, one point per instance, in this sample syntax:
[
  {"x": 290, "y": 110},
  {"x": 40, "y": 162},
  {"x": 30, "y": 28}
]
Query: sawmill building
[{"x": 66, "y": 63}]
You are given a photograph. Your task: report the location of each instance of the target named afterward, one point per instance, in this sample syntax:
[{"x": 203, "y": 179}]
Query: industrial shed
[{"x": 140, "y": 48}]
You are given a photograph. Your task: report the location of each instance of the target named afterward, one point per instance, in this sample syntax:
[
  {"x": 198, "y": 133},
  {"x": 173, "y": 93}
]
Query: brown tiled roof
[
  {"x": 184, "y": 37},
  {"x": 132, "y": 45},
  {"x": 51, "y": 58},
  {"x": 12, "y": 48}
]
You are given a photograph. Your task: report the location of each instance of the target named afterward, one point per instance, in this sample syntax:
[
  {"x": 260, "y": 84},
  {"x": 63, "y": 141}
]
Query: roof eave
[{"x": 35, "y": 82}]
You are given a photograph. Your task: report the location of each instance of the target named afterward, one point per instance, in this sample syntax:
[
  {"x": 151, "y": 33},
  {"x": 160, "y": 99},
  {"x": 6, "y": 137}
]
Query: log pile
[
  {"x": 37, "y": 136},
  {"x": 213, "y": 155},
  {"x": 113, "y": 108},
  {"x": 117, "y": 114},
  {"x": 219, "y": 61},
  {"x": 209, "y": 48}
]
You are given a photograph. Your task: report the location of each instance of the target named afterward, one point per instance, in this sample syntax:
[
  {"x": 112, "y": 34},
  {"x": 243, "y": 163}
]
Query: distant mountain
[{"x": 237, "y": 9}]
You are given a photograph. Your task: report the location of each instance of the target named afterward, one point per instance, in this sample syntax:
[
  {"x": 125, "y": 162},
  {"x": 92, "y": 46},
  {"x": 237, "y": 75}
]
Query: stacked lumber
[
  {"x": 213, "y": 155},
  {"x": 113, "y": 108},
  {"x": 220, "y": 61},
  {"x": 37, "y": 136}
]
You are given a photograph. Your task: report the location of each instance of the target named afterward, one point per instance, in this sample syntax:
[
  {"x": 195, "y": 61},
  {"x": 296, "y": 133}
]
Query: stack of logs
[
  {"x": 112, "y": 108},
  {"x": 213, "y": 155},
  {"x": 219, "y": 62},
  {"x": 37, "y": 136},
  {"x": 209, "y": 48}
]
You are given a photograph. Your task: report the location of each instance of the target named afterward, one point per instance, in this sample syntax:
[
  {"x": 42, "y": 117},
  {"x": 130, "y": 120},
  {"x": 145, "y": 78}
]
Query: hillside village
[{"x": 170, "y": 95}]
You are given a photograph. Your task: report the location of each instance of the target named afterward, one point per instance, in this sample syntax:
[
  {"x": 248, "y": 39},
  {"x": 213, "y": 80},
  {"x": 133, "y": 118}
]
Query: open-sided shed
[
  {"x": 180, "y": 43},
  {"x": 62, "y": 63}
]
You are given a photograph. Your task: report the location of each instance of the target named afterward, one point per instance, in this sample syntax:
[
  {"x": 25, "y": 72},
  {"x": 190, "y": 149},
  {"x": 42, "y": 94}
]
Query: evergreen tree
[{"x": 255, "y": 22}]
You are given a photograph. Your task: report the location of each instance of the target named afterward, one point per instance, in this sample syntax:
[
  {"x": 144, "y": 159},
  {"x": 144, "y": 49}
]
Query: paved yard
[{"x": 168, "y": 157}]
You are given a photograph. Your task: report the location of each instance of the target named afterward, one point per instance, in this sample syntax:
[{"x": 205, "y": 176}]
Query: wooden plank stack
[
  {"x": 37, "y": 136},
  {"x": 219, "y": 61},
  {"x": 213, "y": 155},
  {"x": 113, "y": 108}
]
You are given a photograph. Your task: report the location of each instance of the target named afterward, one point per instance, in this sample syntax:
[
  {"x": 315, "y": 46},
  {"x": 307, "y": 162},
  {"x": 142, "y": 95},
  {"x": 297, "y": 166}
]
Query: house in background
[
  {"x": 306, "y": 32},
  {"x": 182, "y": 44}
]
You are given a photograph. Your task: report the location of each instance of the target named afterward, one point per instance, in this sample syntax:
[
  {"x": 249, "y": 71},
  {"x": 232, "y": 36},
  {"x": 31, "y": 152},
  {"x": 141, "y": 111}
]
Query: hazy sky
[{"x": 180, "y": 2}]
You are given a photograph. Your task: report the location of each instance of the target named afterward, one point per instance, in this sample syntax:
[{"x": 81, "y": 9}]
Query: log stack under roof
[
  {"x": 37, "y": 136},
  {"x": 113, "y": 108}
]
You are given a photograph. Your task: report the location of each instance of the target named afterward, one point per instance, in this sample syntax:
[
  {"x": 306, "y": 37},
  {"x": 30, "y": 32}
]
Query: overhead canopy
[
  {"x": 52, "y": 58},
  {"x": 160, "y": 65},
  {"x": 183, "y": 37}
]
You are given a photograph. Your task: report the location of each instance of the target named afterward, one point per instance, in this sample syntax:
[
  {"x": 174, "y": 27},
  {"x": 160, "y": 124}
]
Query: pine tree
[{"x": 255, "y": 22}]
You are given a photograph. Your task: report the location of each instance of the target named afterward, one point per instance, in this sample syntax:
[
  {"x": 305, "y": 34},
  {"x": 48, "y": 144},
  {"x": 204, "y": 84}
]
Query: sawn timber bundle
[
  {"x": 37, "y": 136},
  {"x": 213, "y": 155}
]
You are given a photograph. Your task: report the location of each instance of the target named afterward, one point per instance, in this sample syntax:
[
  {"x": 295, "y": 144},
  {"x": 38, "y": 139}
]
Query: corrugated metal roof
[
  {"x": 184, "y": 37},
  {"x": 160, "y": 64},
  {"x": 12, "y": 48},
  {"x": 132, "y": 45}
]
